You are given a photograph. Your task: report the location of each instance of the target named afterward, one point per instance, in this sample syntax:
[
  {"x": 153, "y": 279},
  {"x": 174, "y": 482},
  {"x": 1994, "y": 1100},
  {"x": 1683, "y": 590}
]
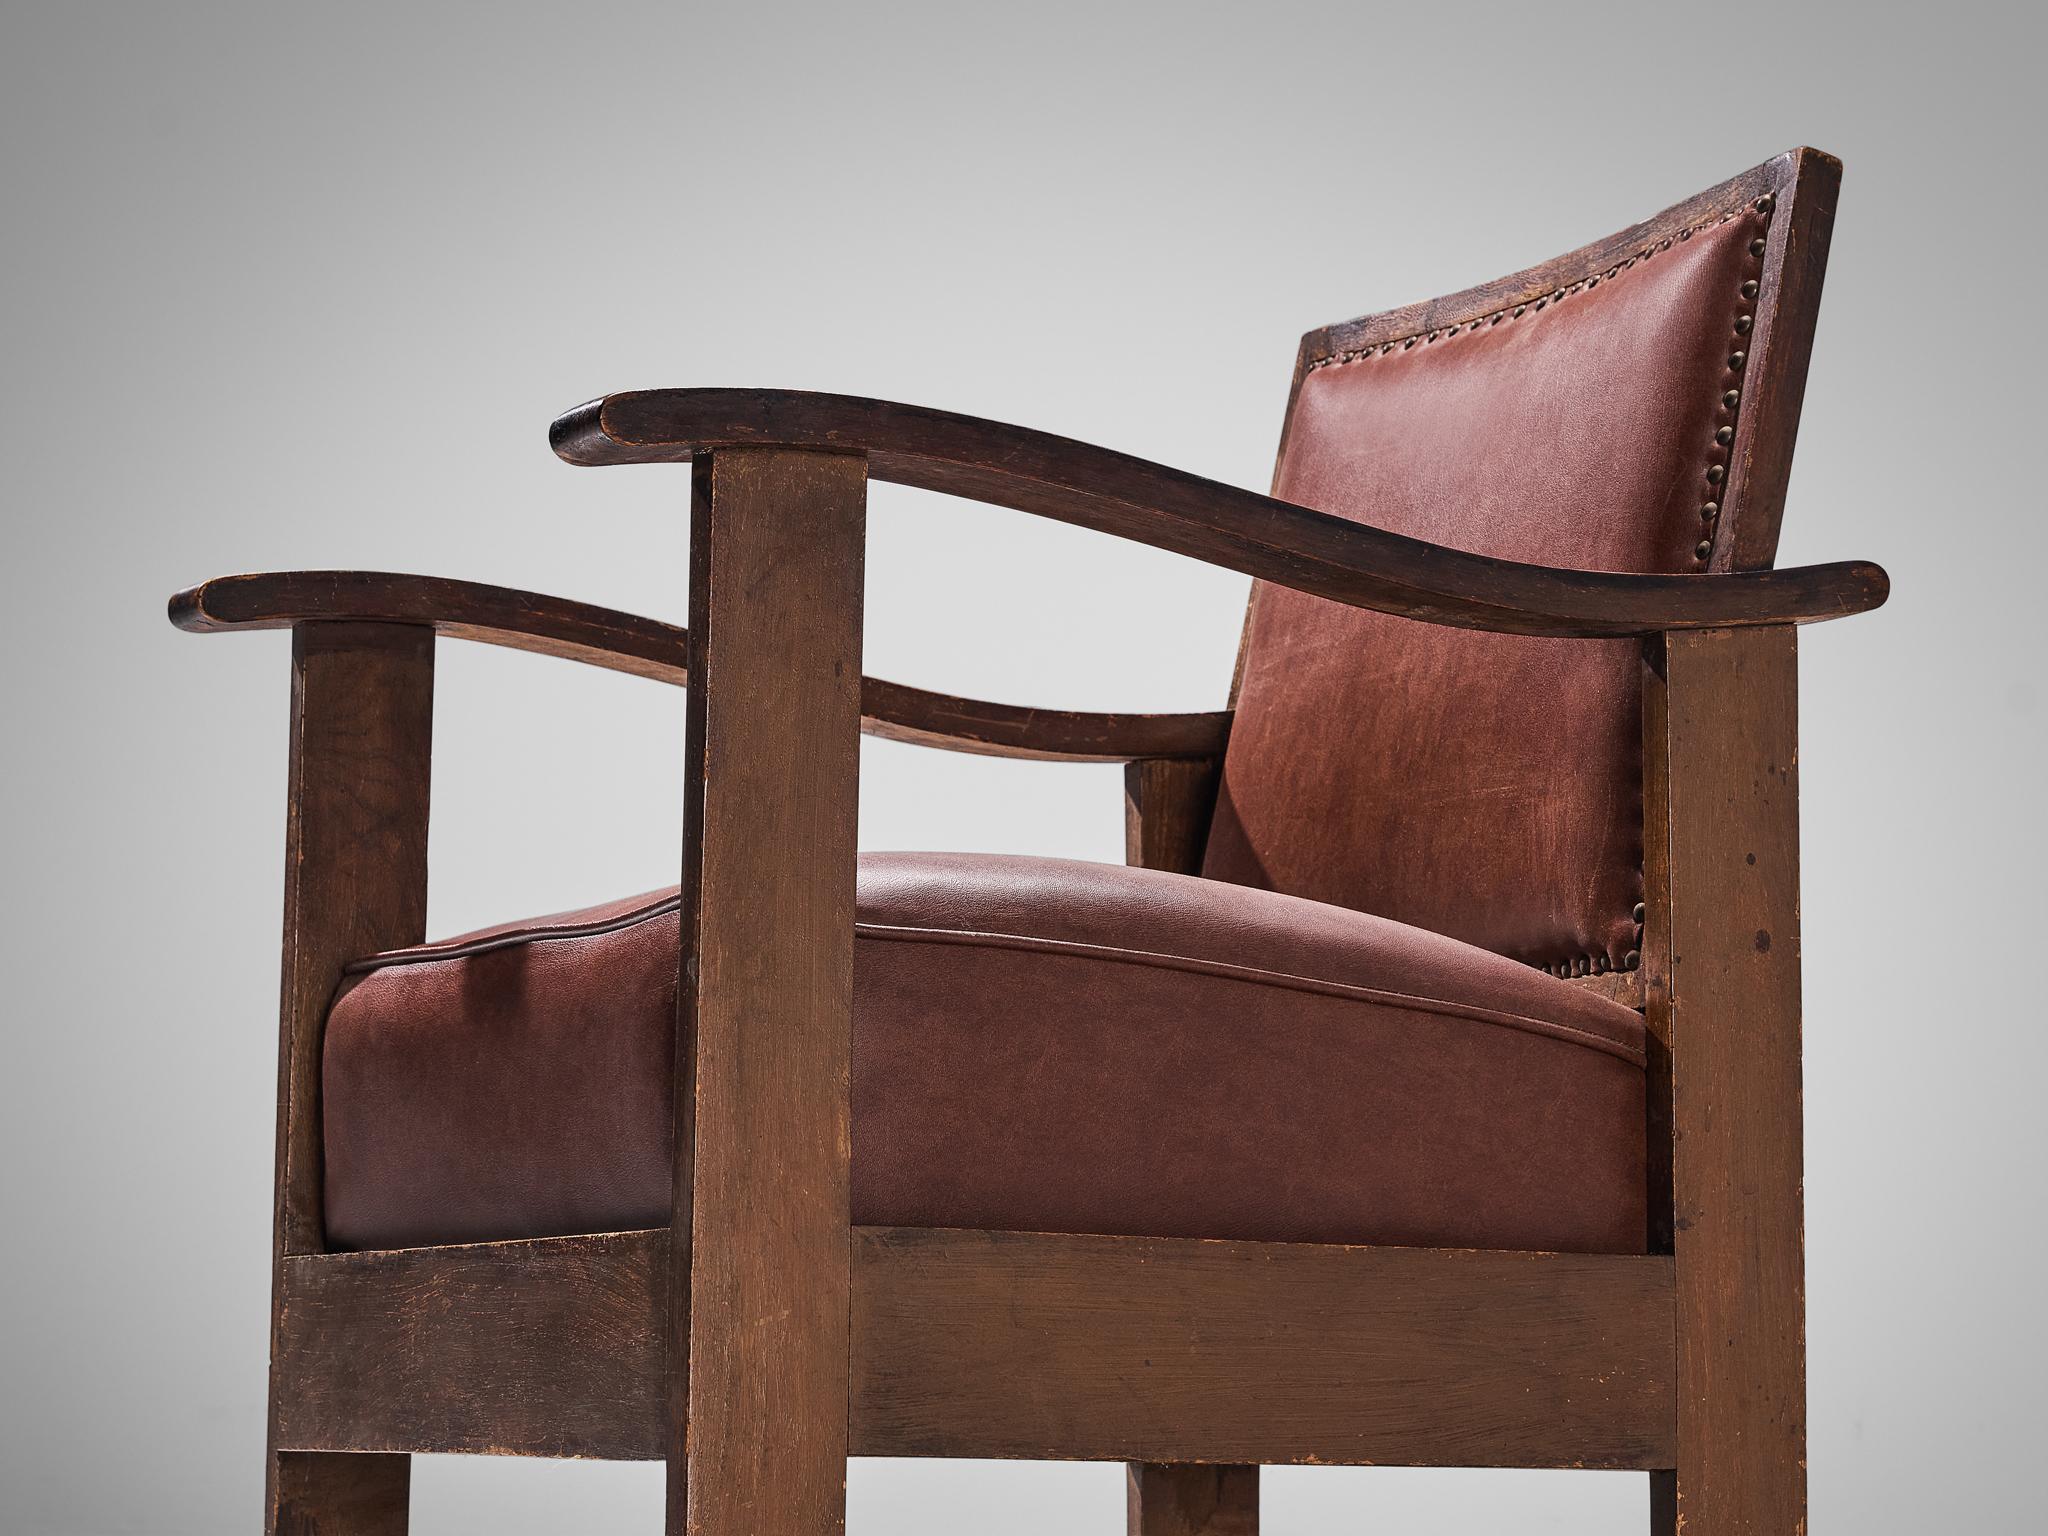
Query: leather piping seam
[
  {"x": 1255, "y": 975},
  {"x": 462, "y": 949}
]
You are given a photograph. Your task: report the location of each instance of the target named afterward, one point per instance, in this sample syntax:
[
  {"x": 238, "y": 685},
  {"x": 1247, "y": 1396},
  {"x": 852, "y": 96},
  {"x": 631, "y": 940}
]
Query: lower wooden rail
[{"x": 1011, "y": 1344}]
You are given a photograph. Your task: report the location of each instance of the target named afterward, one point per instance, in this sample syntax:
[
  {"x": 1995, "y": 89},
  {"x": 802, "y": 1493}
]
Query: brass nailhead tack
[
  {"x": 1631, "y": 960},
  {"x": 1742, "y": 325},
  {"x": 1732, "y": 399},
  {"x": 1711, "y": 511},
  {"x": 1756, "y": 247},
  {"x": 1706, "y": 548},
  {"x": 1715, "y": 474},
  {"x": 1640, "y": 913},
  {"x": 1520, "y": 310},
  {"x": 1737, "y": 359},
  {"x": 1725, "y": 436},
  {"x": 1749, "y": 289},
  {"x": 1766, "y": 203}
]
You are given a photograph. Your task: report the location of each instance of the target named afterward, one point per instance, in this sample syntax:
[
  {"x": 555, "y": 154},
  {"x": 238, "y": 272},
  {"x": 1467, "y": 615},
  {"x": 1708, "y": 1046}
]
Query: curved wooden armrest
[
  {"x": 624, "y": 642},
  {"x": 1275, "y": 541}
]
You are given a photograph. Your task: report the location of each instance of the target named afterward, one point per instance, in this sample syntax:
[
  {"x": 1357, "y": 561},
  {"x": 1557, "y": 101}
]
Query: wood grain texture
[
  {"x": 759, "y": 1272},
  {"x": 362, "y": 714},
  {"x": 1020, "y": 1345},
  {"x": 1730, "y": 1004},
  {"x": 1167, "y": 808},
  {"x": 322, "y": 1495},
  {"x": 1276, "y": 541},
  {"x": 624, "y": 642},
  {"x": 1191, "y": 1500},
  {"x": 543, "y": 1348},
  {"x": 1154, "y": 1350}
]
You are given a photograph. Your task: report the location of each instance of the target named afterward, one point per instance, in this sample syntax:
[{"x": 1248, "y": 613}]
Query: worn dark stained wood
[
  {"x": 1275, "y": 541},
  {"x": 1623, "y": 987},
  {"x": 362, "y": 713},
  {"x": 1018, "y": 1345},
  {"x": 624, "y": 642},
  {"x": 759, "y": 1272},
  {"x": 321, "y": 1495},
  {"x": 1729, "y": 1004},
  {"x": 1167, "y": 807},
  {"x": 1156, "y": 1350},
  {"x": 1774, "y": 382},
  {"x": 553, "y": 1347},
  {"x": 1191, "y": 1500}
]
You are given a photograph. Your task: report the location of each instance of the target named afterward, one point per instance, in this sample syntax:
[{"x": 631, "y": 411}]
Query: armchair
[{"x": 1426, "y": 1092}]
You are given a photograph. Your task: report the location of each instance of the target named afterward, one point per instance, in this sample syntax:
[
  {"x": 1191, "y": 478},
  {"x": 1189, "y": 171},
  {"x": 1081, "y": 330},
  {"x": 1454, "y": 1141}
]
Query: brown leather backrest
[{"x": 1629, "y": 407}]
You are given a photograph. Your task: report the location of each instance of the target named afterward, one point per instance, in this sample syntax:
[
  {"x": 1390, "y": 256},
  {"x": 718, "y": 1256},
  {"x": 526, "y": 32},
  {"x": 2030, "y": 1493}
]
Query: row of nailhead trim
[
  {"x": 1718, "y": 456},
  {"x": 1599, "y": 965},
  {"x": 1527, "y": 307},
  {"x": 1721, "y": 454}
]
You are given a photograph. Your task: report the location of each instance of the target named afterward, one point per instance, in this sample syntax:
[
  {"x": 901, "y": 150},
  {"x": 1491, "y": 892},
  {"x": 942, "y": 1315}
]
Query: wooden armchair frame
[{"x": 760, "y": 1339}]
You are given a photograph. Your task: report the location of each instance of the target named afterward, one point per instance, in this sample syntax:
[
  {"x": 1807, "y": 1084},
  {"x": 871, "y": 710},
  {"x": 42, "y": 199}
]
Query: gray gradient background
[{"x": 290, "y": 286}]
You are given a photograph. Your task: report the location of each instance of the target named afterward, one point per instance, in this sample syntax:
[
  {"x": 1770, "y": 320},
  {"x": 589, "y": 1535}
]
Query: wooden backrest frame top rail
[{"x": 760, "y": 1339}]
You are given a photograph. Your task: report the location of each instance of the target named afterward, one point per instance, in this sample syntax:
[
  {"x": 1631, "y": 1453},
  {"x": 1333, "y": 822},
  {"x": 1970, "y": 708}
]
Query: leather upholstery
[
  {"x": 1486, "y": 786},
  {"x": 1038, "y": 1044}
]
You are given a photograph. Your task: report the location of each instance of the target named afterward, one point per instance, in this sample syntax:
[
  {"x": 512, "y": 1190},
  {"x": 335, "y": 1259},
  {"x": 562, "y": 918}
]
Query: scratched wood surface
[
  {"x": 362, "y": 717},
  {"x": 1020, "y": 1345}
]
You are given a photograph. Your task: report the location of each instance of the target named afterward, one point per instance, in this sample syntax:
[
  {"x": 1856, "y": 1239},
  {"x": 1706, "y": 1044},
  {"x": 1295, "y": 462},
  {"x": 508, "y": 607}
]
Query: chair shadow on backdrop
[{"x": 1425, "y": 1091}]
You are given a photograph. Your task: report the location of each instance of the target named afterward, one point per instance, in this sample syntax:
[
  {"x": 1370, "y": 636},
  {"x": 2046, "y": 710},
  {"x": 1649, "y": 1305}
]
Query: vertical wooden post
[
  {"x": 1191, "y": 1500},
  {"x": 1168, "y": 803},
  {"x": 1723, "y": 993},
  {"x": 759, "y": 1245},
  {"x": 355, "y": 882}
]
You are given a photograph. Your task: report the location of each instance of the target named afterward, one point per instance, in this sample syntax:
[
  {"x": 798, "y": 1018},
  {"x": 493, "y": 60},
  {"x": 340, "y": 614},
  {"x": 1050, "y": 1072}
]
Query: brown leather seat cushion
[{"x": 1038, "y": 1044}]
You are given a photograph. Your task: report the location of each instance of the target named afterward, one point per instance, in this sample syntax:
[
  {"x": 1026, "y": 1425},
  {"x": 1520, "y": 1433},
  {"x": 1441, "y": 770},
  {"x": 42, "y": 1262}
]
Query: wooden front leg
[
  {"x": 1168, "y": 803},
  {"x": 1721, "y": 957},
  {"x": 759, "y": 1244},
  {"x": 355, "y": 882}
]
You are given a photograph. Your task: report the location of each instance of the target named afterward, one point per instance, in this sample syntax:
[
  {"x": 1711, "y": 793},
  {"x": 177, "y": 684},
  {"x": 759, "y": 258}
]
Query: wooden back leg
[
  {"x": 1721, "y": 955},
  {"x": 1167, "y": 805}
]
